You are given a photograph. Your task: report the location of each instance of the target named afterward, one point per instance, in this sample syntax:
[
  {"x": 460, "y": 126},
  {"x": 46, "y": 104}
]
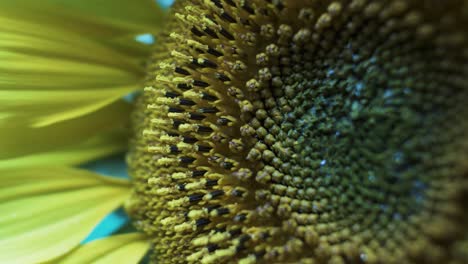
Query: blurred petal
[
  {"x": 133, "y": 16},
  {"x": 66, "y": 59},
  {"x": 29, "y": 141},
  {"x": 102, "y": 19},
  {"x": 100, "y": 146},
  {"x": 127, "y": 248},
  {"x": 46, "y": 212},
  {"x": 44, "y": 81},
  {"x": 113, "y": 166}
]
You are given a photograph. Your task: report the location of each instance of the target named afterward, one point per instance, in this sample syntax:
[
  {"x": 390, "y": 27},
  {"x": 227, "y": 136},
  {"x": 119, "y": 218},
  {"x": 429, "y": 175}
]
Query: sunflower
[
  {"x": 263, "y": 131},
  {"x": 65, "y": 69}
]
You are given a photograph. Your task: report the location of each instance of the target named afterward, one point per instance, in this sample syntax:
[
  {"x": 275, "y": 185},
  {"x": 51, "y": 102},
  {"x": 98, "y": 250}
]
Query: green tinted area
[{"x": 305, "y": 132}]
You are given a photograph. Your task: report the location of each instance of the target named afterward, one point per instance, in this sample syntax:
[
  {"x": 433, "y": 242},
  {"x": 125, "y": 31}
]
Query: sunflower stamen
[{"x": 305, "y": 132}]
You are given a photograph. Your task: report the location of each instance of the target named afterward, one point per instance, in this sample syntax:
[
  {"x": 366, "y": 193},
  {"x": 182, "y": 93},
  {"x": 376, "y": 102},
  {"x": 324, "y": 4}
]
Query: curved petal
[
  {"x": 102, "y": 19},
  {"x": 45, "y": 215},
  {"x": 65, "y": 59},
  {"x": 127, "y": 248},
  {"x": 46, "y": 81},
  {"x": 135, "y": 16},
  {"x": 98, "y": 147},
  {"x": 17, "y": 138}
]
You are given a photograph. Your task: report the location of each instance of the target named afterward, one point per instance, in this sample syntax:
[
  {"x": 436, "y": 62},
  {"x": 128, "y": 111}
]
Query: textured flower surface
[{"x": 269, "y": 131}]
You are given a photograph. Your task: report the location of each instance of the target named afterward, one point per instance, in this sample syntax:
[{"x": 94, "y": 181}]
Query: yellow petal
[
  {"x": 48, "y": 81},
  {"x": 113, "y": 17},
  {"x": 17, "y": 138},
  {"x": 127, "y": 248},
  {"x": 131, "y": 15},
  {"x": 98, "y": 147},
  {"x": 61, "y": 105},
  {"x": 46, "y": 212},
  {"x": 65, "y": 59}
]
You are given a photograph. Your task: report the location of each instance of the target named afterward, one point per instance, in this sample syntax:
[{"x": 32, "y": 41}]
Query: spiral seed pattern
[{"x": 307, "y": 131}]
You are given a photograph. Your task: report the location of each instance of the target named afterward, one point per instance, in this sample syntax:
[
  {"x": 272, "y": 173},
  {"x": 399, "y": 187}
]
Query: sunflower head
[
  {"x": 305, "y": 132},
  {"x": 269, "y": 131}
]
